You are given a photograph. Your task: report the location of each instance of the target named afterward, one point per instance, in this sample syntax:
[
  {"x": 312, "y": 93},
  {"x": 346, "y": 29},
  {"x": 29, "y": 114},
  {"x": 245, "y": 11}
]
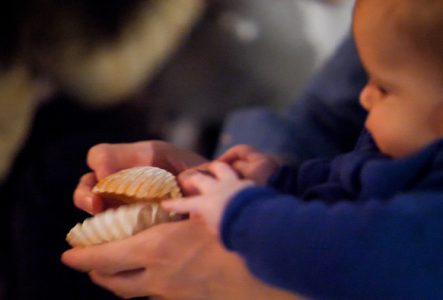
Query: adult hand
[
  {"x": 104, "y": 159},
  {"x": 179, "y": 261}
]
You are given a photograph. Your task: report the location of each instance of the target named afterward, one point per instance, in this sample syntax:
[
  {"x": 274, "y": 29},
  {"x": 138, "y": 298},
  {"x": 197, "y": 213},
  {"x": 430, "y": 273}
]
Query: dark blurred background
[{"x": 75, "y": 73}]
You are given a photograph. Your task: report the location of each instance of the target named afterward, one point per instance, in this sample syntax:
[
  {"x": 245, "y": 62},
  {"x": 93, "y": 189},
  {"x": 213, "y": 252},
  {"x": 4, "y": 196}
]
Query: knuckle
[
  {"x": 77, "y": 195},
  {"x": 78, "y": 202},
  {"x": 85, "y": 177},
  {"x": 98, "y": 148},
  {"x": 98, "y": 154},
  {"x": 143, "y": 150}
]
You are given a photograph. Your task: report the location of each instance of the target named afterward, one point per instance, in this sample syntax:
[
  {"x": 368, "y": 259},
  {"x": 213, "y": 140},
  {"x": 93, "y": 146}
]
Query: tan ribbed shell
[
  {"x": 138, "y": 184},
  {"x": 140, "y": 189},
  {"x": 117, "y": 224}
]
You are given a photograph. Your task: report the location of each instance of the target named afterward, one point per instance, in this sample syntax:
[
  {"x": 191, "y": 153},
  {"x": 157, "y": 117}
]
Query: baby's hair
[{"x": 421, "y": 24}]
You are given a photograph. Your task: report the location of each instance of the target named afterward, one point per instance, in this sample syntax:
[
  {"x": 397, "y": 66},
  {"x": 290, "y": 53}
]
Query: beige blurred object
[
  {"x": 138, "y": 184},
  {"x": 105, "y": 74},
  {"x": 17, "y": 100},
  {"x": 111, "y": 72},
  {"x": 117, "y": 224}
]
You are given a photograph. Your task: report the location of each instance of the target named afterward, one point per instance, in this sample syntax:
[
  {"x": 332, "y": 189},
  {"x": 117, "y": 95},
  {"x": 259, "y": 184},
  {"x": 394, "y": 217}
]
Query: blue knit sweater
[{"x": 361, "y": 226}]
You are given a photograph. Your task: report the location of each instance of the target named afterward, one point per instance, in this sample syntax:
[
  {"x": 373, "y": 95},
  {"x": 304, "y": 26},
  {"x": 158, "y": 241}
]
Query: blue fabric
[
  {"x": 361, "y": 226},
  {"x": 324, "y": 121}
]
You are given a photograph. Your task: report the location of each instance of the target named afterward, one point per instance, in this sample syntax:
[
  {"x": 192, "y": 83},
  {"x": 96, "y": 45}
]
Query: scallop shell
[
  {"x": 138, "y": 184},
  {"x": 117, "y": 224}
]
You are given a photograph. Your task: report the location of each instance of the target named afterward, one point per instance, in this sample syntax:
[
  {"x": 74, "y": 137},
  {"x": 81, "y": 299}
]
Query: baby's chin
[
  {"x": 391, "y": 150},
  {"x": 398, "y": 151},
  {"x": 397, "y": 148}
]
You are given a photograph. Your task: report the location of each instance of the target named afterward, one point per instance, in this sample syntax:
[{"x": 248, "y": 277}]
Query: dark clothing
[
  {"x": 37, "y": 209},
  {"x": 360, "y": 226}
]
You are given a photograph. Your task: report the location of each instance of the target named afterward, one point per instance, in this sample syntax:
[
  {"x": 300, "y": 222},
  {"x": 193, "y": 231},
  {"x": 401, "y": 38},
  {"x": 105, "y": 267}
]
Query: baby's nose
[{"x": 367, "y": 97}]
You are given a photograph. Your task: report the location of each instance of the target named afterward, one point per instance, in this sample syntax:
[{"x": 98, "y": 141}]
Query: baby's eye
[
  {"x": 382, "y": 89},
  {"x": 376, "y": 86}
]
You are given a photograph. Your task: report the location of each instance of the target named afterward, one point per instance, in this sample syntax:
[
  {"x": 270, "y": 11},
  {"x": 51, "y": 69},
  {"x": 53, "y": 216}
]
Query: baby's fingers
[
  {"x": 190, "y": 205},
  {"x": 201, "y": 182},
  {"x": 238, "y": 152},
  {"x": 222, "y": 171}
]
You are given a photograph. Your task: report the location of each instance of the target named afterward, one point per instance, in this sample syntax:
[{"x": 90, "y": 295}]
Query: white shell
[
  {"x": 139, "y": 183},
  {"x": 116, "y": 224}
]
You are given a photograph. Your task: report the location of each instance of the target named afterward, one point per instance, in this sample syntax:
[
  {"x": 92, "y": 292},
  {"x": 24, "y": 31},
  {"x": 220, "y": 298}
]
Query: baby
[{"x": 367, "y": 224}]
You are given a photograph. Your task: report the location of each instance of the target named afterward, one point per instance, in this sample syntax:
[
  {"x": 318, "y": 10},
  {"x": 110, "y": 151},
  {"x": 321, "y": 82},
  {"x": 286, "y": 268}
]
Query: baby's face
[{"x": 404, "y": 94}]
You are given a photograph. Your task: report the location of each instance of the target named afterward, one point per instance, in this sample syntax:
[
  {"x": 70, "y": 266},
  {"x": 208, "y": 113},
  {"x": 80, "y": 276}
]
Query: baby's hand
[
  {"x": 186, "y": 185},
  {"x": 250, "y": 163},
  {"x": 215, "y": 193}
]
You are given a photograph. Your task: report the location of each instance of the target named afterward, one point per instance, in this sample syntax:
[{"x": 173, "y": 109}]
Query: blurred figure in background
[
  {"x": 78, "y": 73},
  {"x": 243, "y": 53},
  {"x": 71, "y": 72}
]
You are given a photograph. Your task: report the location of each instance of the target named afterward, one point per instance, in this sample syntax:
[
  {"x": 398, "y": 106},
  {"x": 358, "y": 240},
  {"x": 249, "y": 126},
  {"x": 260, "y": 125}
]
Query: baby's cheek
[
  {"x": 395, "y": 140},
  {"x": 379, "y": 132}
]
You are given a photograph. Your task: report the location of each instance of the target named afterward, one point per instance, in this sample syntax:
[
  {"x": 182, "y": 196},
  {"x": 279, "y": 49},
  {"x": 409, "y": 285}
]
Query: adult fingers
[
  {"x": 124, "y": 284},
  {"x": 109, "y": 258},
  {"x": 106, "y": 159},
  {"x": 184, "y": 205},
  {"x": 83, "y": 196},
  {"x": 102, "y": 159}
]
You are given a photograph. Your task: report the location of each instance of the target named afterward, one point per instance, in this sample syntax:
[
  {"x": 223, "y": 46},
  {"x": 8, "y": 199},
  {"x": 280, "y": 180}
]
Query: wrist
[{"x": 234, "y": 281}]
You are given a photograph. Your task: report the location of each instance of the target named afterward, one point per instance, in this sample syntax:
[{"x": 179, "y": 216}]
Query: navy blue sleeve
[
  {"x": 372, "y": 250},
  {"x": 331, "y": 180},
  {"x": 287, "y": 179}
]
